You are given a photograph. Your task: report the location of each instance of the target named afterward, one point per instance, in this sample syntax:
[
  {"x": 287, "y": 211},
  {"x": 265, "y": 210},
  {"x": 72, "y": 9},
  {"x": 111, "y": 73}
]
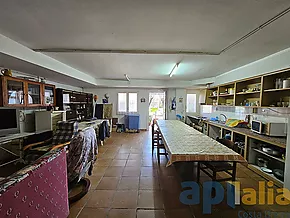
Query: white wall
[
  {"x": 277, "y": 61},
  {"x": 181, "y": 106},
  {"x": 180, "y": 95},
  {"x": 200, "y": 98},
  {"x": 64, "y": 86},
  {"x": 143, "y": 108},
  {"x": 181, "y": 102},
  {"x": 170, "y": 114}
]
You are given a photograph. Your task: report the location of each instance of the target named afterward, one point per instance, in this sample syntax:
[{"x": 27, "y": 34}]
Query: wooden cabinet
[
  {"x": 49, "y": 96},
  {"x": 78, "y": 105},
  {"x": 212, "y": 96},
  {"x": 275, "y": 94},
  {"x": 226, "y": 95},
  {"x": 249, "y": 144},
  {"x": 103, "y": 111},
  {"x": 33, "y": 94},
  {"x": 262, "y": 91},
  {"x": 23, "y": 93},
  {"x": 13, "y": 92}
]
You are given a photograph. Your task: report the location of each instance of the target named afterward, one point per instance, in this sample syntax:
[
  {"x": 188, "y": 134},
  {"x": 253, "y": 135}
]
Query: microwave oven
[{"x": 269, "y": 128}]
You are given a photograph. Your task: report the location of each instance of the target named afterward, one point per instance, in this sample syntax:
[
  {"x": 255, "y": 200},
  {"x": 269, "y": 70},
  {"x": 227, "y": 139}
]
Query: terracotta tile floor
[{"x": 127, "y": 182}]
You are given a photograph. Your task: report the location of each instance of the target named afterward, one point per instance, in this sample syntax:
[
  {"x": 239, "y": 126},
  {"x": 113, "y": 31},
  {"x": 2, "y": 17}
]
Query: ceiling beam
[{"x": 124, "y": 51}]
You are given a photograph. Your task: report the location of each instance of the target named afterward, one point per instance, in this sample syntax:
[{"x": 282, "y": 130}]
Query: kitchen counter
[{"x": 278, "y": 141}]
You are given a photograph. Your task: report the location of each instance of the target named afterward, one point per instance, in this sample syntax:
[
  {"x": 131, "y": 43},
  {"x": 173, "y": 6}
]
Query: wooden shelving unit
[
  {"x": 212, "y": 96},
  {"x": 261, "y": 91},
  {"x": 277, "y": 90},
  {"x": 268, "y": 176},
  {"x": 247, "y": 93},
  {"x": 227, "y": 94},
  {"x": 265, "y": 91},
  {"x": 268, "y": 155}
]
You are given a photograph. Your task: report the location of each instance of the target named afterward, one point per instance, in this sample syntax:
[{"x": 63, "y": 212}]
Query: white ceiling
[{"x": 199, "y": 25}]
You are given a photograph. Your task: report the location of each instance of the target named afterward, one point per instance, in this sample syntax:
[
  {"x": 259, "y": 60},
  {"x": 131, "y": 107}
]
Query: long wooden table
[{"x": 183, "y": 143}]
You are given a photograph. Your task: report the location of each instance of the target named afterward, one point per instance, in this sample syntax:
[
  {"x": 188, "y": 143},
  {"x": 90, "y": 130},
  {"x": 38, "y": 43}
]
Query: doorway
[{"x": 156, "y": 106}]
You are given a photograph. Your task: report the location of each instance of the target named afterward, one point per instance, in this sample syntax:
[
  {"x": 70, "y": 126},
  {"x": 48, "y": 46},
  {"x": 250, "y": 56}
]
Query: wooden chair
[
  {"x": 157, "y": 141},
  {"x": 212, "y": 168},
  {"x": 154, "y": 135}
]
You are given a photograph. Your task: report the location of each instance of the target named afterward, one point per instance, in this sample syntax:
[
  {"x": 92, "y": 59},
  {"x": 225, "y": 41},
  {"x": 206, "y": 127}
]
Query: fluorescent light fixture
[
  {"x": 174, "y": 69},
  {"x": 127, "y": 77}
]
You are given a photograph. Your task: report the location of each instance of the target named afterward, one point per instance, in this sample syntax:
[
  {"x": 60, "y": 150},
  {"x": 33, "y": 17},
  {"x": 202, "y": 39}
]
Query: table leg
[{"x": 198, "y": 172}]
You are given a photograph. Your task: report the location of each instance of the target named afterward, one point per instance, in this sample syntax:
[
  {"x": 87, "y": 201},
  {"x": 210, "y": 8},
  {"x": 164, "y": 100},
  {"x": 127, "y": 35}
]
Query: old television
[{"x": 9, "y": 121}]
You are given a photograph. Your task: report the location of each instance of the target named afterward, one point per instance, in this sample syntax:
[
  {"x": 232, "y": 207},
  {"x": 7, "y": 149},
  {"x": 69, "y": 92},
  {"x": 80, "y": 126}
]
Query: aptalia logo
[{"x": 265, "y": 195}]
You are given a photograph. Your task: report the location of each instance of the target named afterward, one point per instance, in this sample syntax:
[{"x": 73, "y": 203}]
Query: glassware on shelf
[
  {"x": 34, "y": 94},
  {"x": 15, "y": 92},
  {"x": 279, "y": 83}
]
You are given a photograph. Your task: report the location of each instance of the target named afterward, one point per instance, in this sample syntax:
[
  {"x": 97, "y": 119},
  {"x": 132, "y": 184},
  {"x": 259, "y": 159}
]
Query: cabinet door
[
  {"x": 34, "y": 93},
  {"x": 49, "y": 95},
  {"x": 13, "y": 92}
]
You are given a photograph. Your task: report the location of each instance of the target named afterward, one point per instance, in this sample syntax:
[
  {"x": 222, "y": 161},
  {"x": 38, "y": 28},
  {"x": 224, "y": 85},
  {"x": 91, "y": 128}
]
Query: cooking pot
[{"x": 271, "y": 151}]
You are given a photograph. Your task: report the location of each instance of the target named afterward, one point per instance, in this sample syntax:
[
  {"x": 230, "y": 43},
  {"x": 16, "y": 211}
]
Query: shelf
[
  {"x": 267, "y": 175},
  {"x": 247, "y": 93},
  {"x": 268, "y": 155},
  {"x": 225, "y": 95},
  {"x": 276, "y": 90},
  {"x": 213, "y": 96},
  {"x": 76, "y": 103}
]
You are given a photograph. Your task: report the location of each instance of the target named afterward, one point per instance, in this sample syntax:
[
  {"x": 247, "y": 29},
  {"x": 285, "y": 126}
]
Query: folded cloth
[{"x": 233, "y": 122}]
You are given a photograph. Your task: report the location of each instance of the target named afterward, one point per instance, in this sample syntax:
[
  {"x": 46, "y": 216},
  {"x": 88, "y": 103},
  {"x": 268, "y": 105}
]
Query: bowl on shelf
[
  {"x": 279, "y": 174},
  {"x": 271, "y": 151},
  {"x": 266, "y": 170}
]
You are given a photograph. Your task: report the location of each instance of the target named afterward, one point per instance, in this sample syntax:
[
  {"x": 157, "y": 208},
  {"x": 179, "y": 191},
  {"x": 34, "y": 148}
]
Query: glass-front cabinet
[
  {"x": 33, "y": 96},
  {"x": 49, "y": 95},
  {"x": 17, "y": 92},
  {"x": 13, "y": 93}
]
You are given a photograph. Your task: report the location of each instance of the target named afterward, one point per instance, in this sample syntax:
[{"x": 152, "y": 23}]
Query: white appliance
[
  {"x": 269, "y": 128},
  {"x": 47, "y": 120}
]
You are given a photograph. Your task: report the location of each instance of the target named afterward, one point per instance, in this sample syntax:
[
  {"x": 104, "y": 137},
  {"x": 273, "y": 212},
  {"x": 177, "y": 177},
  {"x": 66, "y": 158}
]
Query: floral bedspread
[{"x": 183, "y": 143}]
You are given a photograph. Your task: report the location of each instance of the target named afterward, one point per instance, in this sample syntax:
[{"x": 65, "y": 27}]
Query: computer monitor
[{"x": 9, "y": 121}]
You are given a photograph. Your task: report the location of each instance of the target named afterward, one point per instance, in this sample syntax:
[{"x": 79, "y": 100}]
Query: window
[
  {"x": 132, "y": 102},
  {"x": 191, "y": 103},
  {"x": 122, "y": 102},
  {"x": 127, "y": 102},
  {"x": 206, "y": 109}
]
